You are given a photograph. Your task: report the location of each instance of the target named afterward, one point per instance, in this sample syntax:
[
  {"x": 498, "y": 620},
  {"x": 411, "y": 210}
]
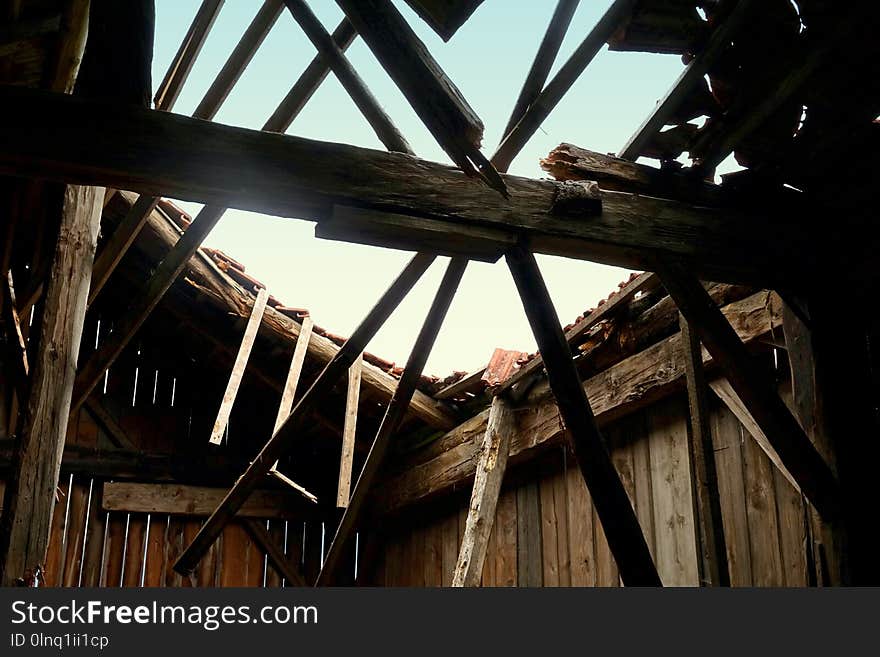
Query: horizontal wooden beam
[
  {"x": 156, "y": 153},
  {"x": 180, "y": 500},
  {"x": 642, "y": 379}
]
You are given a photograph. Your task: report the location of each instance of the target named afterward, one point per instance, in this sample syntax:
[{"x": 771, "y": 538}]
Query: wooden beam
[
  {"x": 71, "y": 45},
  {"x": 241, "y": 361},
  {"x": 434, "y": 97},
  {"x": 369, "y": 107},
  {"x": 280, "y": 562},
  {"x": 543, "y": 62},
  {"x": 564, "y": 79},
  {"x": 753, "y": 387},
  {"x": 114, "y": 431},
  {"x": 156, "y": 153},
  {"x": 465, "y": 384},
  {"x": 294, "y": 372},
  {"x": 198, "y": 501},
  {"x": 343, "y": 491},
  {"x": 394, "y": 415},
  {"x": 693, "y": 74},
  {"x": 707, "y": 502},
  {"x": 286, "y": 435},
  {"x": 181, "y": 66},
  {"x": 484, "y": 497},
  {"x": 241, "y": 56},
  {"x": 15, "y": 339},
  {"x": 640, "y": 380},
  {"x": 609, "y": 497},
  {"x": 30, "y": 495}
]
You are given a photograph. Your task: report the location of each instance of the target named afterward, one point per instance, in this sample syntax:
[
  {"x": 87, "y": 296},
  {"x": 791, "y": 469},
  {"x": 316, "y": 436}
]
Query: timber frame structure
[{"x": 695, "y": 429}]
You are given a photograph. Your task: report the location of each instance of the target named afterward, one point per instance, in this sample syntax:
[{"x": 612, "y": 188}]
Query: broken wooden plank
[
  {"x": 161, "y": 153},
  {"x": 394, "y": 415},
  {"x": 30, "y": 494},
  {"x": 622, "y": 530},
  {"x": 556, "y": 89},
  {"x": 484, "y": 497},
  {"x": 288, "y": 432},
  {"x": 181, "y": 66},
  {"x": 754, "y": 387},
  {"x": 357, "y": 90},
  {"x": 713, "y": 551},
  {"x": 280, "y": 561},
  {"x": 181, "y": 500},
  {"x": 349, "y": 430},
  {"x": 238, "y": 368}
]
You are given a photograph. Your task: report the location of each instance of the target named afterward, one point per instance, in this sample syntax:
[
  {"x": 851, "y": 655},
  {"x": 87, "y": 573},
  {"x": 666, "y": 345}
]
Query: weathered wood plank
[
  {"x": 766, "y": 558},
  {"x": 528, "y": 539},
  {"x": 580, "y": 523},
  {"x": 349, "y": 430},
  {"x": 484, "y": 497},
  {"x": 238, "y": 368},
  {"x": 24, "y": 530},
  {"x": 181, "y": 500},
  {"x": 163, "y": 154}
]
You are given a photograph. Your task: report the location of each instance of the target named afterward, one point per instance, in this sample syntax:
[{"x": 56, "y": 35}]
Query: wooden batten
[
  {"x": 238, "y": 368},
  {"x": 346, "y": 462}
]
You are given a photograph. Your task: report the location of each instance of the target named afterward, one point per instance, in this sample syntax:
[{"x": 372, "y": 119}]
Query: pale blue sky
[{"x": 488, "y": 60}]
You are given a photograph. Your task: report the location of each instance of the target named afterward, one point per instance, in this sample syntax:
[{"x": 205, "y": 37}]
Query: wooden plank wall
[
  {"x": 92, "y": 547},
  {"x": 546, "y": 532}
]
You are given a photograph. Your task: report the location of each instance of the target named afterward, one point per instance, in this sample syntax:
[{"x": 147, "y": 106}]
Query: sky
[{"x": 488, "y": 60}]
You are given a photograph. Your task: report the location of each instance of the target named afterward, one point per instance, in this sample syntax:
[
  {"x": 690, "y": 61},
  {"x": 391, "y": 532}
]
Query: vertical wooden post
[
  {"x": 713, "y": 550},
  {"x": 612, "y": 504},
  {"x": 484, "y": 497},
  {"x": 30, "y": 491}
]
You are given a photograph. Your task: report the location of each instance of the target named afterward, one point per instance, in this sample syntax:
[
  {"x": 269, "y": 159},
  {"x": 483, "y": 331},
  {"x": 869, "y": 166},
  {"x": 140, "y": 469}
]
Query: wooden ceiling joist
[
  {"x": 281, "y": 441},
  {"x": 58, "y": 137},
  {"x": 393, "y": 418}
]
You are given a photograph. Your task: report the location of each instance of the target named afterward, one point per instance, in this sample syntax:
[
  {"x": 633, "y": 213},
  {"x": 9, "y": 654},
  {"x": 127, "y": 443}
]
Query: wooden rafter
[
  {"x": 280, "y": 561},
  {"x": 394, "y": 415},
  {"x": 570, "y": 219},
  {"x": 238, "y": 368},
  {"x": 484, "y": 497},
  {"x": 430, "y": 92},
  {"x": 182, "y": 64},
  {"x": 753, "y": 387},
  {"x": 287, "y": 434},
  {"x": 609, "y": 497},
  {"x": 543, "y": 62},
  {"x": 549, "y": 98},
  {"x": 372, "y": 111}
]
